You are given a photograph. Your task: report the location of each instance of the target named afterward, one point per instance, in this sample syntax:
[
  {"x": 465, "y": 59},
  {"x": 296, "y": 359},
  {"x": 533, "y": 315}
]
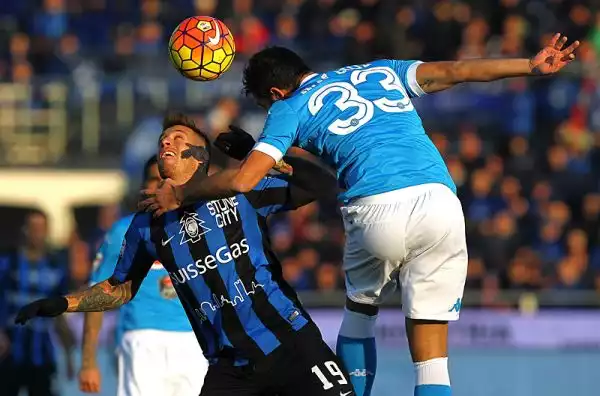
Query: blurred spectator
[{"x": 29, "y": 272}]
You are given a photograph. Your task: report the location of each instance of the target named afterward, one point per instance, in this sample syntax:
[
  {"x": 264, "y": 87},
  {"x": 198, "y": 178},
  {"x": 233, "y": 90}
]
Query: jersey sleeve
[
  {"x": 134, "y": 260},
  {"x": 280, "y": 131},
  {"x": 407, "y": 71},
  {"x": 108, "y": 254},
  {"x": 271, "y": 195}
]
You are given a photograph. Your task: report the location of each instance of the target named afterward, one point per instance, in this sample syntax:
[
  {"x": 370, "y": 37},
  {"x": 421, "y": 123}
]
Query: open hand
[
  {"x": 160, "y": 200},
  {"x": 553, "y": 57}
]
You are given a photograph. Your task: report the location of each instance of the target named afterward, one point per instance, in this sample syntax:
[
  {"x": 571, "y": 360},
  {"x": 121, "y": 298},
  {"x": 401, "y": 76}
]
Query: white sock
[{"x": 432, "y": 372}]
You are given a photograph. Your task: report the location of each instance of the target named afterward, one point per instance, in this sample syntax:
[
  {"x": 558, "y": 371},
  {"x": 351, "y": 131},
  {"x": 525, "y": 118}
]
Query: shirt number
[
  {"x": 335, "y": 372},
  {"x": 350, "y": 98}
]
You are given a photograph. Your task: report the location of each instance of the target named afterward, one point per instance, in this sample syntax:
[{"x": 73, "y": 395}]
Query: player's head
[
  {"x": 183, "y": 149},
  {"x": 35, "y": 229},
  {"x": 272, "y": 74},
  {"x": 151, "y": 173}
]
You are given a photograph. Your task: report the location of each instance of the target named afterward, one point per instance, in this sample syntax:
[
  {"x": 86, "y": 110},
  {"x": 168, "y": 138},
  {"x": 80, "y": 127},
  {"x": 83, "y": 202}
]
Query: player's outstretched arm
[
  {"x": 104, "y": 296},
  {"x": 438, "y": 76}
]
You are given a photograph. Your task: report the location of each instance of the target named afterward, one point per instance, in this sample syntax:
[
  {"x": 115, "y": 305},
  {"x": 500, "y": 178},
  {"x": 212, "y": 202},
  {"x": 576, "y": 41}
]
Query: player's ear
[{"x": 277, "y": 94}]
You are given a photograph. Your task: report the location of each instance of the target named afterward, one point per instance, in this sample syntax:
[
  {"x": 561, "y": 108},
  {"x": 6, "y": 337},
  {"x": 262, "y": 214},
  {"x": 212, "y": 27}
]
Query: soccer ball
[{"x": 201, "y": 48}]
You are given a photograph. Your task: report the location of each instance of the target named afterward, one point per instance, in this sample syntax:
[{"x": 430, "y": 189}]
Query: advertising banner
[{"x": 476, "y": 328}]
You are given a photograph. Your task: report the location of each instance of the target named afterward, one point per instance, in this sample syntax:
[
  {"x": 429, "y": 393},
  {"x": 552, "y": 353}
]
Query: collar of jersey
[{"x": 308, "y": 78}]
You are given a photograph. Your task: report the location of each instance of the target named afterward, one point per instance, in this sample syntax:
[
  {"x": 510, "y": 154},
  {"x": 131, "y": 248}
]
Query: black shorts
[{"x": 306, "y": 367}]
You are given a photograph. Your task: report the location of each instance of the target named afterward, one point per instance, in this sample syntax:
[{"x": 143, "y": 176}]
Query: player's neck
[
  {"x": 184, "y": 177},
  {"x": 33, "y": 253}
]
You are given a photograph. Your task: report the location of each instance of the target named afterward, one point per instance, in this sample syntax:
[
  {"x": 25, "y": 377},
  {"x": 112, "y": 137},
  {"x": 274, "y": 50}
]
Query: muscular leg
[
  {"x": 356, "y": 345},
  {"x": 428, "y": 343}
]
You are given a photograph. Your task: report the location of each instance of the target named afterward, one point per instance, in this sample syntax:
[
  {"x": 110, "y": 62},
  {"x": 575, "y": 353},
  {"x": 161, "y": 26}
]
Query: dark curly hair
[{"x": 273, "y": 67}]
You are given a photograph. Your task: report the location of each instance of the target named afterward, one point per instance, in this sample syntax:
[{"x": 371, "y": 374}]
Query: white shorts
[
  {"x": 157, "y": 362},
  {"x": 412, "y": 239}
]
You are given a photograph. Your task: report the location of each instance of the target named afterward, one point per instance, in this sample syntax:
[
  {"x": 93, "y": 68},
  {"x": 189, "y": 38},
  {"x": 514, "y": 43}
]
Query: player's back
[{"x": 360, "y": 119}]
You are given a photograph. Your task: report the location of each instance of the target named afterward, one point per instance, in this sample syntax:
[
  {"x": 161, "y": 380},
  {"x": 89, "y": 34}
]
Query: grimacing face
[{"x": 173, "y": 151}]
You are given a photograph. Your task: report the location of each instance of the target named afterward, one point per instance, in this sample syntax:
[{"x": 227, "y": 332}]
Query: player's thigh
[
  {"x": 141, "y": 367},
  {"x": 222, "y": 380},
  {"x": 432, "y": 279},
  {"x": 373, "y": 252},
  {"x": 186, "y": 365},
  {"x": 315, "y": 370}
]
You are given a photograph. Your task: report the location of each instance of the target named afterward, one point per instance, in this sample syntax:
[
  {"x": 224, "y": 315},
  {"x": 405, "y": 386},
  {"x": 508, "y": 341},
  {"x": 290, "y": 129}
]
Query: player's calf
[
  {"x": 428, "y": 342},
  {"x": 356, "y": 345}
]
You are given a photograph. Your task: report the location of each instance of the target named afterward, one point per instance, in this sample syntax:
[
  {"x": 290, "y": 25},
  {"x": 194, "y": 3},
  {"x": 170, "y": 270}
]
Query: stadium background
[{"x": 85, "y": 82}]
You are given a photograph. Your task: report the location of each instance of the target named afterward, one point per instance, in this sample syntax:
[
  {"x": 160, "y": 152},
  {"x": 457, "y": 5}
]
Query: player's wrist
[
  {"x": 53, "y": 306},
  {"x": 532, "y": 69}
]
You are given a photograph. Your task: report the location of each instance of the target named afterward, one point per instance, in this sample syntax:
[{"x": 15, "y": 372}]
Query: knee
[{"x": 359, "y": 320}]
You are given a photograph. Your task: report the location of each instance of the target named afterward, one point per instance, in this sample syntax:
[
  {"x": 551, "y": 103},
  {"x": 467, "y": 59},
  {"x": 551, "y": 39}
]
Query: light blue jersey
[
  {"x": 361, "y": 121},
  {"x": 155, "y": 305}
]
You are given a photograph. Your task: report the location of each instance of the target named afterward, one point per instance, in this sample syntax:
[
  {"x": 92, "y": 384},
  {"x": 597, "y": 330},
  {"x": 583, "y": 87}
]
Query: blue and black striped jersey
[
  {"x": 21, "y": 282},
  {"x": 218, "y": 257}
]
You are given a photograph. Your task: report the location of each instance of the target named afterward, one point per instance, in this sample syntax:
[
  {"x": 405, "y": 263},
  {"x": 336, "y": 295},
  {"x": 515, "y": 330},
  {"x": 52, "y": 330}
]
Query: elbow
[{"x": 243, "y": 183}]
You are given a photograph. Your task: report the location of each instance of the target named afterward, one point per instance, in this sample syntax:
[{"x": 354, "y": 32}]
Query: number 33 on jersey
[{"x": 361, "y": 120}]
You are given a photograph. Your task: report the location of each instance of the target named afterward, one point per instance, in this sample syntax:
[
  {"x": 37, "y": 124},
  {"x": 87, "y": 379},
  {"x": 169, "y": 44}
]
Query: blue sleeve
[
  {"x": 271, "y": 195},
  {"x": 134, "y": 259},
  {"x": 280, "y": 131},
  {"x": 108, "y": 254},
  {"x": 407, "y": 71}
]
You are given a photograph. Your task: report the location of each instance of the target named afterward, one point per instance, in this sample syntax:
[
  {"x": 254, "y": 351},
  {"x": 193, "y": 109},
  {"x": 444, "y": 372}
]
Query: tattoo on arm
[{"x": 101, "y": 297}]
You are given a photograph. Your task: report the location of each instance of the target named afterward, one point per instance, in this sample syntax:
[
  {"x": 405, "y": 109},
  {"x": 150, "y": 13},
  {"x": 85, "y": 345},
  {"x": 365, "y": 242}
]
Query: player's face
[
  {"x": 36, "y": 231},
  {"x": 153, "y": 178},
  {"x": 177, "y": 150}
]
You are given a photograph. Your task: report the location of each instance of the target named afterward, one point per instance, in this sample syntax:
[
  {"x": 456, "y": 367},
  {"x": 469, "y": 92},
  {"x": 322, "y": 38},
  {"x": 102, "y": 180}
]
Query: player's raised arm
[
  {"x": 308, "y": 181},
  {"x": 438, "y": 76}
]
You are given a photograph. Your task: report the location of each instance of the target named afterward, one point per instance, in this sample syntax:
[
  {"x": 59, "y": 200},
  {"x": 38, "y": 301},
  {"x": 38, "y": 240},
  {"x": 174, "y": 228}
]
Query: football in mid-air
[{"x": 202, "y": 48}]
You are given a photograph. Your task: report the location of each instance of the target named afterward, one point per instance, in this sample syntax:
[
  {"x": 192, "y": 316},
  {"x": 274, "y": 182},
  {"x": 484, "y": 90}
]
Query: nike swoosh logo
[
  {"x": 345, "y": 394},
  {"x": 215, "y": 40},
  {"x": 165, "y": 243}
]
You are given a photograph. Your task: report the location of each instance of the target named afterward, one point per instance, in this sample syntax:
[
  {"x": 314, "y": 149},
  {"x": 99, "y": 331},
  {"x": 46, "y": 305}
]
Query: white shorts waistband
[{"x": 401, "y": 194}]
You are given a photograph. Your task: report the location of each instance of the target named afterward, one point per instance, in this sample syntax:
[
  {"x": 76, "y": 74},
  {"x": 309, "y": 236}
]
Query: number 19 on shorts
[{"x": 334, "y": 371}]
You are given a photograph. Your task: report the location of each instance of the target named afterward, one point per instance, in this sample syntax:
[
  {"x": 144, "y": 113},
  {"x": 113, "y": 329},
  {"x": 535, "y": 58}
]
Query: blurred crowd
[{"x": 528, "y": 184}]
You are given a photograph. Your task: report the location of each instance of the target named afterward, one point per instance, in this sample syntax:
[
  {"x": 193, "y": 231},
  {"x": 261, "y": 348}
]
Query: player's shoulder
[
  {"x": 140, "y": 220},
  {"x": 124, "y": 222}
]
